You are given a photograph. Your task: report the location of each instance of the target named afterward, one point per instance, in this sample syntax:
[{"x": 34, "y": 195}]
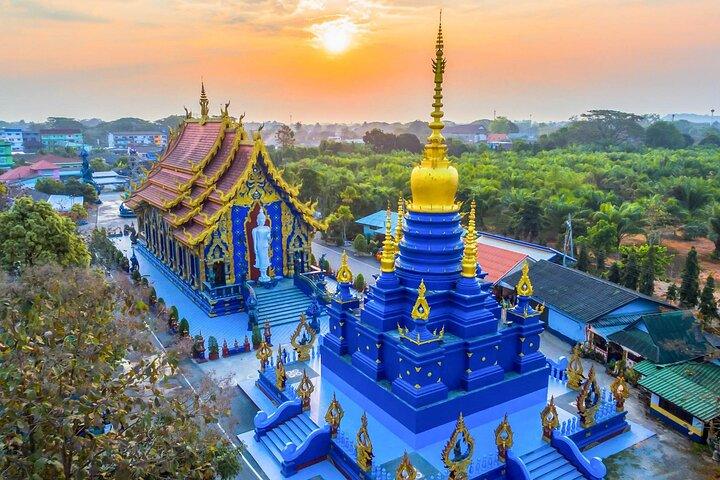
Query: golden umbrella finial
[
  {"x": 469, "y": 261},
  {"x": 399, "y": 226},
  {"x": 421, "y": 309},
  {"x": 344, "y": 275},
  {"x": 524, "y": 286},
  {"x": 387, "y": 260},
  {"x": 204, "y": 102}
]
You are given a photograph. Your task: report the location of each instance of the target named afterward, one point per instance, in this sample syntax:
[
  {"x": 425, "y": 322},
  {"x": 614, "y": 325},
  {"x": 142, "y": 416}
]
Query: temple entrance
[
  {"x": 298, "y": 259},
  {"x": 219, "y": 273}
]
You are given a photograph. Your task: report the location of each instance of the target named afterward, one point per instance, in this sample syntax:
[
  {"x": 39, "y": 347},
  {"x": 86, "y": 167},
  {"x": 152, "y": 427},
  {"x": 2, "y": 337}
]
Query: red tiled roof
[
  {"x": 55, "y": 159},
  {"x": 496, "y": 261},
  {"x": 498, "y": 137},
  {"x": 193, "y": 145},
  {"x": 44, "y": 165},
  {"x": 18, "y": 173}
]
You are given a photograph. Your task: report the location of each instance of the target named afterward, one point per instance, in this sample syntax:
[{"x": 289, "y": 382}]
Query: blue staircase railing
[
  {"x": 285, "y": 411},
  {"x": 312, "y": 283},
  {"x": 592, "y": 468},
  {"x": 315, "y": 448},
  {"x": 516, "y": 469}
]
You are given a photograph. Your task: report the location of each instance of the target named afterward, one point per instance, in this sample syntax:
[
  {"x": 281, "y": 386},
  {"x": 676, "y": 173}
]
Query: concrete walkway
[{"x": 368, "y": 266}]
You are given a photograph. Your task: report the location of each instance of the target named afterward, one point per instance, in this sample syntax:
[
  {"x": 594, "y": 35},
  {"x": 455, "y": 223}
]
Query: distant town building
[
  {"x": 6, "y": 160},
  {"x": 132, "y": 139},
  {"x": 374, "y": 224},
  {"x": 15, "y": 137},
  {"x": 68, "y": 166},
  {"x": 61, "y": 138},
  {"x": 499, "y": 141},
  {"x": 109, "y": 180},
  {"x": 470, "y": 133},
  {"x": 28, "y": 175},
  {"x": 31, "y": 142}
]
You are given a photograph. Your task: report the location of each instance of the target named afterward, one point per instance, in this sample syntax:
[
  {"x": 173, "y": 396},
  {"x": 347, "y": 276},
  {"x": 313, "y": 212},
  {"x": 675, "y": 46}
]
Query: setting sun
[{"x": 335, "y": 36}]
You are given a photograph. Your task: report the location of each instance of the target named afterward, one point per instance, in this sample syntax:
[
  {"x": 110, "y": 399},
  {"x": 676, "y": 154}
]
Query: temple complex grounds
[{"x": 666, "y": 454}]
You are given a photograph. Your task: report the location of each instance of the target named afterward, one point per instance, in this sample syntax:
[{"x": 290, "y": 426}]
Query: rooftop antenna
[{"x": 568, "y": 244}]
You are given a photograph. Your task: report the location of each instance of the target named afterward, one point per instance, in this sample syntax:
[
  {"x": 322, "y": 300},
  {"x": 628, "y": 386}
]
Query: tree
[
  {"x": 78, "y": 212},
  {"x": 646, "y": 283},
  {"x": 50, "y": 186},
  {"x": 359, "y": 283},
  {"x": 72, "y": 372},
  {"x": 664, "y": 135},
  {"x": 672, "y": 292},
  {"x": 715, "y": 225},
  {"x": 360, "y": 244},
  {"x": 708, "y": 304},
  {"x": 33, "y": 233},
  {"x": 631, "y": 272},
  {"x": 285, "y": 136},
  {"x": 380, "y": 141},
  {"x": 583, "y": 260},
  {"x": 409, "y": 142},
  {"x": 614, "y": 274},
  {"x": 690, "y": 286},
  {"x": 98, "y": 164},
  {"x": 503, "y": 125},
  {"x": 343, "y": 215},
  {"x": 711, "y": 139}
]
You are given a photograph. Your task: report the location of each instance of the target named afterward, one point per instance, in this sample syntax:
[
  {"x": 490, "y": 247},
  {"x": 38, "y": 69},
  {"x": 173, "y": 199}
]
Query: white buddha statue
[{"x": 261, "y": 236}]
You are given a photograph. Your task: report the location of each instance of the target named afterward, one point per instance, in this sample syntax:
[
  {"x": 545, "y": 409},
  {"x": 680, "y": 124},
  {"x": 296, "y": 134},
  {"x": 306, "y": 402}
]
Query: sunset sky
[{"x": 355, "y": 60}]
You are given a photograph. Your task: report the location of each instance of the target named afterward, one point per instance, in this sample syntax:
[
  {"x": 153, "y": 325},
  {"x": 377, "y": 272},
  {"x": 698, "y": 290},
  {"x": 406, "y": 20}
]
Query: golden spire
[
  {"x": 434, "y": 182},
  {"x": 344, "y": 275},
  {"x": 421, "y": 309},
  {"x": 204, "y": 102},
  {"x": 469, "y": 261},
  {"x": 524, "y": 287},
  {"x": 387, "y": 260},
  {"x": 399, "y": 227}
]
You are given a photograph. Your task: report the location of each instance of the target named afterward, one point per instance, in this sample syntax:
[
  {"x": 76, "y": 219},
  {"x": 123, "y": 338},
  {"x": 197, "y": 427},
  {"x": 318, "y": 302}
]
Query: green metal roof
[
  {"x": 671, "y": 337},
  {"x": 646, "y": 368},
  {"x": 694, "y": 387}
]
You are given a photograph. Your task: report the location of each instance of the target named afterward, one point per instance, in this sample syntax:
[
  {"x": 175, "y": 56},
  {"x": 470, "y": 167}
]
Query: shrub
[
  {"x": 256, "y": 336},
  {"x": 213, "y": 347},
  {"x": 359, "y": 283},
  {"x": 152, "y": 296},
  {"x": 135, "y": 275},
  {"x": 184, "y": 327},
  {"x": 360, "y": 244},
  {"x": 174, "y": 312},
  {"x": 692, "y": 231}
]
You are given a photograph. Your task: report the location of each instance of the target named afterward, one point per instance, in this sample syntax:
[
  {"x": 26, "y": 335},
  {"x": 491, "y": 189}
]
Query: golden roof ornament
[
  {"x": 344, "y": 275},
  {"x": 421, "y": 309},
  {"x": 549, "y": 419},
  {"x": 387, "y": 260},
  {"x": 405, "y": 471},
  {"x": 469, "y": 261},
  {"x": 620, "y": 392},
  {"x": 363, "y": 445},
  {"x": 588, "y": 400},
  {"x": 399, "y": 226},
  {"x": 263, "y": 353},
  {"x": 574, "y": 369},
  {"x": 434, "y": 181},
  {"x": 503, "y": 438},
  {"x": 280, "y": 374},
  {"x": 304, "y": 390},
  {"x": 334, "y": 415},
  {"x": 524, "y": 286},
  {"x": 204, "y": 102},
  {"x": 303, "y": 339},
  {"x": 458, "y": 452}
]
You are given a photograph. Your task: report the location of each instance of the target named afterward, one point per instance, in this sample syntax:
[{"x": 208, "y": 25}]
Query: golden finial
[
  {"x": 524, "y": 287},
  {"x": 334, "y": 415},
  {"x": 304, "y": 390},
  {"x": 387, "y": 260},
  {"x": 344, "y": 275},
  {"x": 574, "y": 369},
  {"x": 588, "y": 400},
  {"x": 620, "y": 391},
  {"x": 405, "y": 471},
  {"x": 303, "y": 339},
  {"x": 503, "y": 438},
  {"x": 469, "y": 261},
  {"x": 204, "y": 102},
  {"x": 434, "y": 182},
  {"x": 454, "y": 457},
  {"x": 421, "y": 309},
  {"x": 280, "y": 374},
  {"x": 399, "y": 227},
  {"x": 363, "y": 447}
]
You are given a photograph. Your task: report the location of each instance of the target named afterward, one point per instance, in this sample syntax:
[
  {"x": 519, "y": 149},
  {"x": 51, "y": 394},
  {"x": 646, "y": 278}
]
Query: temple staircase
[
  {"x": 282, "y": 304},
  {"x": 546, "y": 463},
  {"x": 296, "y": 430}
]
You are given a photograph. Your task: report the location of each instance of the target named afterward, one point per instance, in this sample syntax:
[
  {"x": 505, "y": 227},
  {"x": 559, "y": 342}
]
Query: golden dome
[{"x": 434, "y": 182}]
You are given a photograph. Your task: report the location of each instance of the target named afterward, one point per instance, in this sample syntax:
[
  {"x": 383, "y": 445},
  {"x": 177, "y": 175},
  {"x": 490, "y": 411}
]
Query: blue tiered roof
[{"x": 429, "y": 343}]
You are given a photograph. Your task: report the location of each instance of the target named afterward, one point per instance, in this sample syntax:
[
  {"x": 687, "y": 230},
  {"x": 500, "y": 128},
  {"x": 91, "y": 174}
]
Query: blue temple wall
[{"x": 237, "y": 219}]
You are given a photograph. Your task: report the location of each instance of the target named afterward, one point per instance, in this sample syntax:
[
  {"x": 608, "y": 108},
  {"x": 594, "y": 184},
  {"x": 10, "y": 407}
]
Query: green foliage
[
  {"x": 71, "y": 186},
  {"x": 598, "y": 129},
  {"x": 213, "y": 347},
  {"x": 152, "y": 296},
  {"x": 381, "y": 142},
  {"x": 711, "y": 139},
  {"x": 646, "y": 282},
  {"x": 503, "y": 125},
  {"x": 690, "y": 286},
  {"x": 661, "y": 260},
  {"x": 360, "y": 244},
  {"x": 631, "y": 272},
  {"x": 614, "y": 274},
  {"x": 78, "y": 212},
  {"x": 173, "y": 313},
  {"x": 184, "y": 327},
  {"x": 103, "y": 252},
  {"x": 33, "y": 233},
  {"x": 359, "y": 282},
  {"x": 583, "y": 260},
  {"x": 342, "y": 217},
  {"x": 672, "y": 293},
  {"x": 257, "y": 338},
  {"x": 285, "y": 136},
  {"x": 715, "y": 226},
  {"x": 98, "y": 164},
  {"x": 68, "y": 373},
  {"x": 708, "y": 304},
  {"x": 664, "y": 135}
]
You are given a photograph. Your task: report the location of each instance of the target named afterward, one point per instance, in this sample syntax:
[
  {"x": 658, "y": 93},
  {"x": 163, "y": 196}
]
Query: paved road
[{"x": 368, "y": 266}]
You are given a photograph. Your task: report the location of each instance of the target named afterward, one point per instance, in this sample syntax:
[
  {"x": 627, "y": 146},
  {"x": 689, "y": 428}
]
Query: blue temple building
[
  {"x": 214, "y": 213},
  {"x": 427, "y": 376}
]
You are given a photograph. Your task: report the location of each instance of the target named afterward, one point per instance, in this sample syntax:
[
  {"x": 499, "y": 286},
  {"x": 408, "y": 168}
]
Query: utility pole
[{"x": 568, "y": 244}]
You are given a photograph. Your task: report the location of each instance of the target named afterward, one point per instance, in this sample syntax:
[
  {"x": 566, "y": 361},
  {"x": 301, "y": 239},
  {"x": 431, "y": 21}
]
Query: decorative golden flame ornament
[
  {"x": 549, "y": 419},
  {"x": 334, "y": 415},
  {"x": 575, "y": 369},
  {"x": 588, "y": 400},
  {"x": 405, "y": 471},
  {"x": 280, "y": 374},
  {"x": 304, "y": 389},
  {"x": 454, "y": 458},
  {"x": 344, "y": 275},
  {"x": 387, "y": 260},
  {"x": 303, "y": 339},
  {"x": 469, "y": 261},
  {"x": 524, "y": 286},
  {"x": 503, "y": 438},
  {"x": 204, "y": 102},
  {"x": 421, "y": 309},
  {"x": 399, "y": 226},
  {"x": 620, "y": 391},
  {"x": 434, "y": 181},
  {"x": 263, "y": 353},
  {"x": 363, "y": 445}
]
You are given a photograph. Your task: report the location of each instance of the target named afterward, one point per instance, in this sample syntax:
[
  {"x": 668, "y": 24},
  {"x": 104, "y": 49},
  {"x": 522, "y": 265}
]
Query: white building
[{"x": 15, "y": 137}]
